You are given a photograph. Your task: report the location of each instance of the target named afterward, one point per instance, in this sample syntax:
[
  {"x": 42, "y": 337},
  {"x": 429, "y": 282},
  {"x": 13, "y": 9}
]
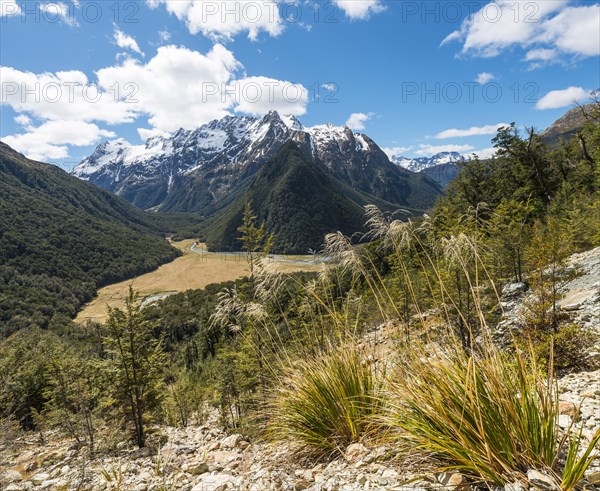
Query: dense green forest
[
  {"x": 61, "y": 239},
  {"x": 276, "y": 352},
  {"x": 298, "y": 201}
]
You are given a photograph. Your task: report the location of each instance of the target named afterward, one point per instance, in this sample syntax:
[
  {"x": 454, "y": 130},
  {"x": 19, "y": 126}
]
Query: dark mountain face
[
  {"x": 61, "y": 239},
  {"x": 195, "y": 170},
  {"x": 298, "y": 201},
  {"x": 443, "y": 174}
]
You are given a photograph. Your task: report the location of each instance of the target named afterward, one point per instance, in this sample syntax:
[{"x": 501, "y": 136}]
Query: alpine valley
[{"x": 208, "y": 169}]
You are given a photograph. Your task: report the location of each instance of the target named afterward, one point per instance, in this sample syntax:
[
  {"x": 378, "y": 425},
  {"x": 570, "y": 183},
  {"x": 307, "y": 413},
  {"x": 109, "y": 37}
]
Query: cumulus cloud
[
  {"x": 490, "y": 129},
  {"x": 176, "y": 88},
  {"x": 8, "y": 8},
  {"x": 357, "y": 121},
  {"x": 562, "y": 98},
  {"x": 50, "y": 139},
  {"x": 543, "y": 25},
  {"x": 222, "y": 20},
  {"x": 66, "y": 95},
  {"x": 360, "y": 9},
  {"x": 179, "y": 87},
  {"x": 259, "y": 95},
  {"x": 484, "y": 78},
  {"x": 125, "y": 41},
  {"x": 430, "y": 150}
]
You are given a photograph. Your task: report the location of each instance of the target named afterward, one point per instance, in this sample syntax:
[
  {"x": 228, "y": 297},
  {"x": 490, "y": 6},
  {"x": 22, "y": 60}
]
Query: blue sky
[{"x": 418, "y": 77}]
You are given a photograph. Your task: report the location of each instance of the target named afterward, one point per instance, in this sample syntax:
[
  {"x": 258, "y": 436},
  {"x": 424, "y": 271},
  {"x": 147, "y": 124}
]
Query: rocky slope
[
  {"x": 571, "y": 123},
  {"x": 193, "y": 170},
  {"x": 580, "y": 295},
  {"x": 202, "y": 457}
]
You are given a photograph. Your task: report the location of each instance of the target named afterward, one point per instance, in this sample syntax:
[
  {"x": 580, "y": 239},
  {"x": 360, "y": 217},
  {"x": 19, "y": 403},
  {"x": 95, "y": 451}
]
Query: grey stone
[
  {"x": 40, "y": 478},
  {"x": 541, "y": 481},
  {"x": 10, "y": 476}
]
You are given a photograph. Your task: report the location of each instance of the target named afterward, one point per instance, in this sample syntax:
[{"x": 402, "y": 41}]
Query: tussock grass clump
[
  {"x": 326, "y": 403},
  {"x": 489, "y": 416}
]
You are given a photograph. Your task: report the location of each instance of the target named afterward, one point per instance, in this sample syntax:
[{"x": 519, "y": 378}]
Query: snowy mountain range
[
  {"x": 421, "y": 163},
  {"x": 193, "y": 170}
]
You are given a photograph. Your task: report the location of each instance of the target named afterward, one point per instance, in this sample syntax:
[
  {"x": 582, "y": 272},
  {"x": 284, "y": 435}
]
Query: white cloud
[
  {"x": 360, "y": 9},
  {"x": 125, "y": 41},
  {"x": 23, "y": 119},
  {"x": 67, "y": 95},
  {"x": 562, "y": 98},
  {"x": 165, "y": 36},
  {"x": 178, "y": 87},
  {"x": 357, "y": 121},
  {"x": 575, "y": 30},
  {"x": 430, "y": 150},
  {"x": 485, "y": 153},
  {"x": 484, "y": 78},
  {"x": 395, "y": 151},
  {"x": 547, "y": 25},
  {"x": 541, "y": 54},
  {"x": 50, "y": 139},
  {"x": 8, "y": 8},
  {"x": 222, "y": 20},
  {"x": 490, "y": 129},
  {"x": 329, "y": 87},
  {"x": 259, "y": 95}
]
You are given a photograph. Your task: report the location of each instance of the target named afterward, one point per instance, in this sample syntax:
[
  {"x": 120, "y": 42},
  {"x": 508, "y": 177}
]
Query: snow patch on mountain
[
  {"x": 420, "y": 163},
  {"x": 230, "y": 140}
]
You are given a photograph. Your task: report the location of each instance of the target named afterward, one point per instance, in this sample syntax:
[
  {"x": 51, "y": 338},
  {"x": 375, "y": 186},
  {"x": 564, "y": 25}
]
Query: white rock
[
  {"x": 40, "y": 478},
  {"x": 214, "y": 482}
]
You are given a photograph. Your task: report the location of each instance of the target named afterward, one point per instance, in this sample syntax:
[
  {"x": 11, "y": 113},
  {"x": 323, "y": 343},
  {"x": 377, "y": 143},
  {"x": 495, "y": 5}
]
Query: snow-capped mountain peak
[
  {"x": 420, "y": 163},
  {"x": 210, "y": 160}
]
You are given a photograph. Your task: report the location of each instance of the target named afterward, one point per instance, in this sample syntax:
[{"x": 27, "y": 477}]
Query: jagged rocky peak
[
  {"x": 192, "y": 168},
  {"x": 226, "y": 135}
]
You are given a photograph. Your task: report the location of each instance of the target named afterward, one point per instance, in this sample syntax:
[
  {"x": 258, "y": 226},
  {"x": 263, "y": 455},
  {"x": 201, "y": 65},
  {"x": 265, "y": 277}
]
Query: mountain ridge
[{"x": 191, "y": 170}]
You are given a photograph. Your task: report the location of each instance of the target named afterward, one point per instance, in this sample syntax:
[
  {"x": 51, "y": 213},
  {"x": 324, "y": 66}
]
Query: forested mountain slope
[{"x": 61, "y": 239}]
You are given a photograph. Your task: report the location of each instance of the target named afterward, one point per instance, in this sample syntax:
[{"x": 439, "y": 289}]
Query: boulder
[
  {"x": 214, "y": 482},
  {"x": 514, "y": 289}
]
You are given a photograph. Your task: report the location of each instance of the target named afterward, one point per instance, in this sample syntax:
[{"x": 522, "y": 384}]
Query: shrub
[
  {"x": 328, "y": 402},
  {"x": 490, "y": 417}
]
